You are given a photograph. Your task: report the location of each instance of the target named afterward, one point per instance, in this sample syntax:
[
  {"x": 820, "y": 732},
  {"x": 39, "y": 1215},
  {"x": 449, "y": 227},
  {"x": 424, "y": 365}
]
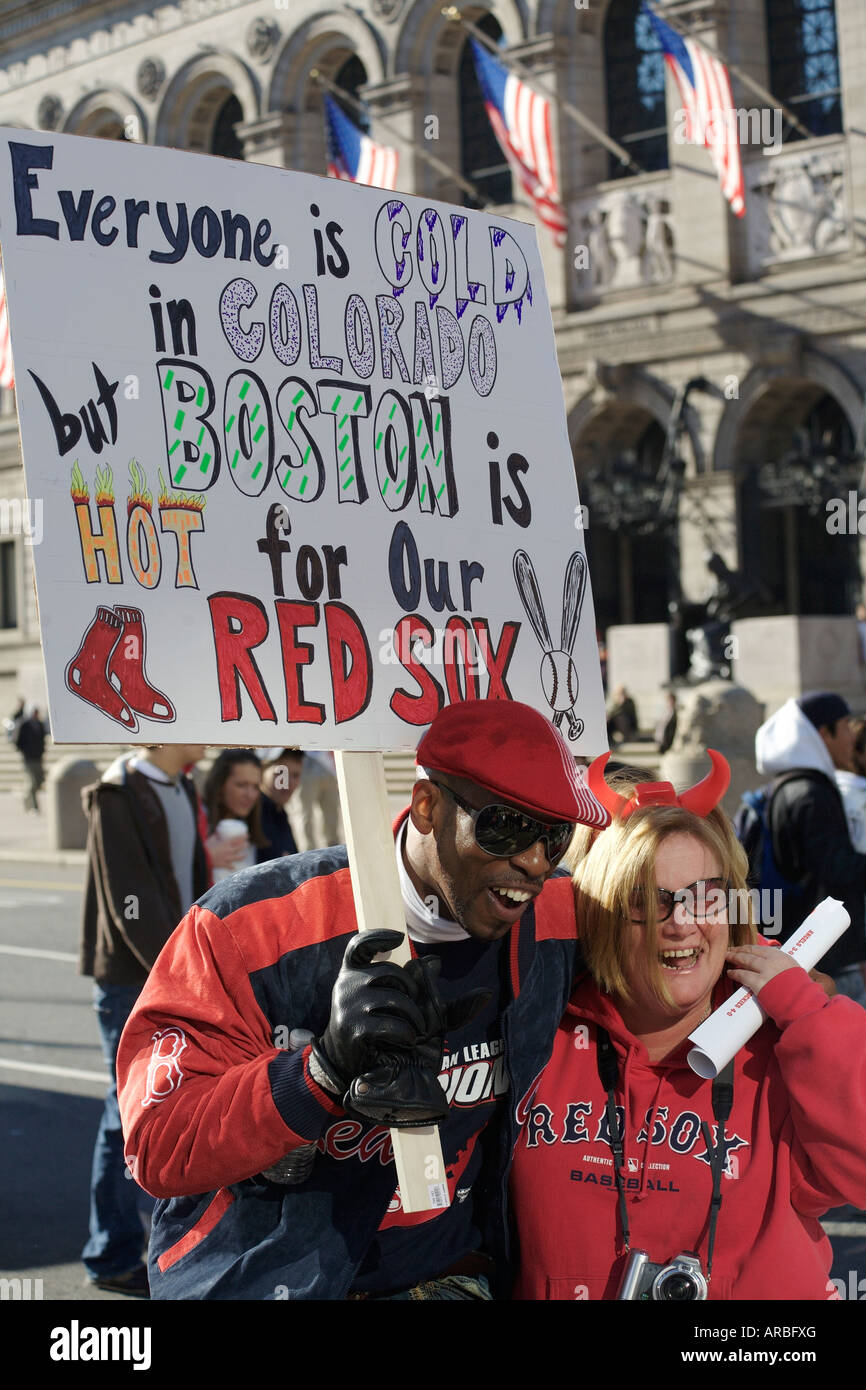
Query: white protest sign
[{"x": 301, "y": 450}]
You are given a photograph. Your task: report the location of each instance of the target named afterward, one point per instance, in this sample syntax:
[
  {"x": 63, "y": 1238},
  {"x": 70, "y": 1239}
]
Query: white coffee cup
[{"x": 232, "y": 829}]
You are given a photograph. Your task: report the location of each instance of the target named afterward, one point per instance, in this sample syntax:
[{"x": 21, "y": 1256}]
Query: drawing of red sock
[
  {"x": 126, "y": 669},
  {"x": 86, "y": 675}
]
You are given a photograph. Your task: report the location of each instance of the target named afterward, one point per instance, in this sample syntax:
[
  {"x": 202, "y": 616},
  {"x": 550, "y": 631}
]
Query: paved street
[{"x": 52, "y": 1078}]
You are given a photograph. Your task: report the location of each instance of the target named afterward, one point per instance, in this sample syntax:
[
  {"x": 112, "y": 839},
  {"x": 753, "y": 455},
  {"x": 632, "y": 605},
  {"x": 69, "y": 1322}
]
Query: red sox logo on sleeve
[{"x": 163, "y": 1070}]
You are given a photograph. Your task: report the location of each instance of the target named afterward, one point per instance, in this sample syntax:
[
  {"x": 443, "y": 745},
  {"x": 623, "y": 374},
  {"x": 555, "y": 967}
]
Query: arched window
[
  {"x": 632, "y": 564},
  {"x": 804, "y": 62},
  {"x": 792, "y": 558},
  {"x": 224, "y": 140},
  {"x": 635, "y": 76},
  {"x": 351, "y": 77},
  {"x": 481, "y": 159}
]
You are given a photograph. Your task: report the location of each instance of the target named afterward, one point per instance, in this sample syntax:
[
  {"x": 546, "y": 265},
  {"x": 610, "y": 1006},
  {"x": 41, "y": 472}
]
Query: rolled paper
[{"x": 722, "y": 1035}]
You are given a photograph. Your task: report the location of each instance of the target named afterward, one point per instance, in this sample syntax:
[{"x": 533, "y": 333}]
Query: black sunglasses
[
  {"x": 503, "y": 830},
  {"x": 706, "y": 898}
]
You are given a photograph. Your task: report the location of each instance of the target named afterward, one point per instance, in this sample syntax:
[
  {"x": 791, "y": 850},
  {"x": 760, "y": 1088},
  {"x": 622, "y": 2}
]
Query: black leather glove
[
  {"x": 403, "y": 1089},
  {"x": 372, "y": 1006},
  {"x": 382, "y": 1048}
]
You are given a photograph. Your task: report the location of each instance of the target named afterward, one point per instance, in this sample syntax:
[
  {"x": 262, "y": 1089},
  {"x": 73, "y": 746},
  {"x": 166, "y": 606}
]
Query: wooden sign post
[{"x": 379, "y": 904}]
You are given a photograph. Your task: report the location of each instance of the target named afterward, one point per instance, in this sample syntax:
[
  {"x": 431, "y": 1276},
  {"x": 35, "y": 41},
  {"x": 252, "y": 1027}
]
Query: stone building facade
[{"x": 658, "y": 289}]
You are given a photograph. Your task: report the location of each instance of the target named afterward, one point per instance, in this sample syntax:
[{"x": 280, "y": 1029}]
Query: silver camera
[{"x": 680, "y": 1281}]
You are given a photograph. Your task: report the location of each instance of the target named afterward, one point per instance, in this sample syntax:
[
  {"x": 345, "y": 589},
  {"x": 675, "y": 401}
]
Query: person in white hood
[{"x": 802, "y": 747}]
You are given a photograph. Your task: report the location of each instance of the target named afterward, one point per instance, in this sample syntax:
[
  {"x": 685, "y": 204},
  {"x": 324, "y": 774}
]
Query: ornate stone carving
[
  {"x": 626, "y": 239},
  {"x": 110, "y": 38},
  {"x": 386, "y": 9},
  {"x": 797, "y": 206},
  {"x": 150, "y": 77},
  {"x": 49, "y": 112},
  {"x": 262, "y": 36}
]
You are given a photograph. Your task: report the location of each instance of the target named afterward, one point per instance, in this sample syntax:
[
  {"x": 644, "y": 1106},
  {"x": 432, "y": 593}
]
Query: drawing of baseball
[{"x": 559, "y": 681}]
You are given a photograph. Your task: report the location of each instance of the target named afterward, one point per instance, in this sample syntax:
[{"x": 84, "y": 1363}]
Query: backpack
[{"x": 752, "y": 828}]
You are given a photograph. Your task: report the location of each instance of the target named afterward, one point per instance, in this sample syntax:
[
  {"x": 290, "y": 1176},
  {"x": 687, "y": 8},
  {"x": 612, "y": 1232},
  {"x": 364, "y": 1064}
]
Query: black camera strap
[{"x": 722, "y": 1101}]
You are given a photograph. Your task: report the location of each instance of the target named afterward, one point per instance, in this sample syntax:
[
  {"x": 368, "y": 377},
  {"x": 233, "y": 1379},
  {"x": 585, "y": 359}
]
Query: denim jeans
[{"x": 116, "y": 1241}]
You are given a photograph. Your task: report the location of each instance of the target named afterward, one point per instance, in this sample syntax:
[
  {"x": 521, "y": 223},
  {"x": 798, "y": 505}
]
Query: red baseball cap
[{"x": 512, "y": 750}]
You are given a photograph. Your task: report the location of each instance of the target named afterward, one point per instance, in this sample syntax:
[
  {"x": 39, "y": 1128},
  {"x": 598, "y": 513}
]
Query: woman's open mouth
[{"x": 680, "y": 960}]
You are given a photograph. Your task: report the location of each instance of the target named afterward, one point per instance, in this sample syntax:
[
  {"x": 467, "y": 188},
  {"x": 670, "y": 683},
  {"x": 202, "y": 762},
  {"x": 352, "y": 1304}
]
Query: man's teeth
[{"x": 514, "y": 893}]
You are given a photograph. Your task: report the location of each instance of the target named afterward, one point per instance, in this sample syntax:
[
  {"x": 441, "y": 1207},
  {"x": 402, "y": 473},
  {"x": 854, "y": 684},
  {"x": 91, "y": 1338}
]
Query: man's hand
[
  {"x": 382, "y": 1048},
  {"x": 373, "y": 1007},
  {"x": 753, "y": 966},
  {"x": 403, "y": 1089}
]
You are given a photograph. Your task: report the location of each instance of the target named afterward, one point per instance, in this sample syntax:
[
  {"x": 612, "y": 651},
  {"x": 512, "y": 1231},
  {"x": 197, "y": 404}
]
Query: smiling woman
[
  {"x": 232, "y": 802},
  {"x": 688, "y": 1189}
]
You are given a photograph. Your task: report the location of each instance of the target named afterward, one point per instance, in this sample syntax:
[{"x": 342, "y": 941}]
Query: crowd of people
[{"x": 568, "y": 932}]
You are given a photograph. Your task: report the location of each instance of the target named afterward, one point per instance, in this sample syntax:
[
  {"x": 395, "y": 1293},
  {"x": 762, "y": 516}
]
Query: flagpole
[
  {"x": 438, "y": 164},
  {"x": 744, "y": 77},
  {"x": 451, "y": 12}
]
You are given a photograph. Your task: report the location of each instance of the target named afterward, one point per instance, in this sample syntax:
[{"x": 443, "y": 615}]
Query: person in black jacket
[
  {"x": 30, "y": 742},
  {"x": 145, "y": 866},
  {"x": 281, "y": 776},
  {"x": 812, "y": 737}
]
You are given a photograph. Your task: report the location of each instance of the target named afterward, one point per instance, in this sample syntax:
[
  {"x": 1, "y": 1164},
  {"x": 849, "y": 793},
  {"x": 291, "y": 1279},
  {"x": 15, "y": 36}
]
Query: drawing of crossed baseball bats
[
  {"x": 572, "y": 606},
  {"x": 558, "y": 672}
]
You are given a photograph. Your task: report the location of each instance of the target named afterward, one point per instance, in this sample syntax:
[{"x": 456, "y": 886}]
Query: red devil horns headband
[{"x": 699, "y": 799}]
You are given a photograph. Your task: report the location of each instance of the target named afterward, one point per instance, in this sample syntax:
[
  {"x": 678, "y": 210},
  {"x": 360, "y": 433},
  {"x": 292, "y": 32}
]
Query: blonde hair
[{"x": 621, "y": 862}]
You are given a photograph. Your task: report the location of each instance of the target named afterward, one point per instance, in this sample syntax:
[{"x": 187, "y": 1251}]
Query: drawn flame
[
  {"x": 140, "y": 495},
  {"x": 104, "y": 484},
  {"x": 169, "y": 497},
  {"x": 79, "y": 489}
]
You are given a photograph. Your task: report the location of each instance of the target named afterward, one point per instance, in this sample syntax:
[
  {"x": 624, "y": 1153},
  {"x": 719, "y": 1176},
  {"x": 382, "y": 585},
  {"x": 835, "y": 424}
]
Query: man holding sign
[{"x": 214, "y": 1099}]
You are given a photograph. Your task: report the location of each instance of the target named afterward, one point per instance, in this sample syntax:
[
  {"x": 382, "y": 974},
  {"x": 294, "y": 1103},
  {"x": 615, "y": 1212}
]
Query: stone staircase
[
  {"x": 399, "y": 767},
  {"x": 13, "y": 777}
]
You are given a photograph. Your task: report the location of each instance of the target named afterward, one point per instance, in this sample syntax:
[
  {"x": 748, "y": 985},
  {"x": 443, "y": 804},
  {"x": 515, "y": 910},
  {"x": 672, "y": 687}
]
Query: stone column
[
  {"x": 542, "y": 58},
  {"x": 707, "y": 522},
  {"x": 851, "y": 32},
  {"x": 265, "y": 141},
  {"x": 698, "y": 206},
  {"x": 392, "y": 101}
]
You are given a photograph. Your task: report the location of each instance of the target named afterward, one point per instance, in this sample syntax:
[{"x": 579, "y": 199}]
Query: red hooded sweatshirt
[{"x": 795, "y": 1149}]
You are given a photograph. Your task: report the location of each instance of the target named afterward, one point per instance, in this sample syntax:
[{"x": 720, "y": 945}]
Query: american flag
[
  {"x": 705, "y": 91},
  {"x": 352, "y": 155},
  {"x": 521, "y": 123},
  {"x": 7, "y": 376}
]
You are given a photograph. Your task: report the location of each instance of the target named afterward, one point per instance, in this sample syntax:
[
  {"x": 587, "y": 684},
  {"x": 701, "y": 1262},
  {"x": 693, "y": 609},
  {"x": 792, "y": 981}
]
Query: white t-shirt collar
[{"x": 423, "y": 923}]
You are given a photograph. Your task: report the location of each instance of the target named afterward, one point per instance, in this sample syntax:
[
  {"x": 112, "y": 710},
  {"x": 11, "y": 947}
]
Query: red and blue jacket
[{"x": 210, "y": 1097}]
